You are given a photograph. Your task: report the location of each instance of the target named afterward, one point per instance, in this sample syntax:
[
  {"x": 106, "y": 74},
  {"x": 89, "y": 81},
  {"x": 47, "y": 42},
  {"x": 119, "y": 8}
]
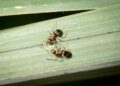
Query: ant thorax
[{"x": 53, "y": 36}]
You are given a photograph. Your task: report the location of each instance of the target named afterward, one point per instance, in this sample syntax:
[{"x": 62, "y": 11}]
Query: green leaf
[
  {"x": 93, "y": 38},
  {"x": 15, "y": 7},
  {"x": 81, "y": 25}
]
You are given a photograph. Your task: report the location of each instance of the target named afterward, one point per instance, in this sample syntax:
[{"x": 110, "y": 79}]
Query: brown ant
[
  {"x": 60, "y": 53},
  {"x": 56, "y": 34},
  {"x": 53, "y": 36}
]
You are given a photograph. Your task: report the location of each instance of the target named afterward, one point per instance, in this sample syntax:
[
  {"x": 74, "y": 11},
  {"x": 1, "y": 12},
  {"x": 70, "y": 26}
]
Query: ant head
[
  {"x": 59, "y": 32},
  {"x": 67, "y": 54}
]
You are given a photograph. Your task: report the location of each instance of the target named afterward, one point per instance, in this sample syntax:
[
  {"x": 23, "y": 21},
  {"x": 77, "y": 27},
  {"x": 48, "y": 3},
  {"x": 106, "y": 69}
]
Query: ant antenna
[
  {"x": 55, "y": 26},
  {"x": 66, "y": 48}
]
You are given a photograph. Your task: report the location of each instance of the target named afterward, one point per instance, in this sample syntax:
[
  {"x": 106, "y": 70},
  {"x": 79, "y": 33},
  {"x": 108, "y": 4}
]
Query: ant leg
[
  {"x": 54, "y": 27},
  {"x": 60, "y": 59},
  {"x": 58, "y": 46},
  {"x": 51, "y": 56},
  {"x": 63, "y": 47},
  {"x": 43, "y": 44},
  {"x": 67, "y": 47},
  {"x": 49, "y": 32},
  {"x": 54, "y": 47},
  {"x": 55, "y": 41},
  {"x": 59, "y": 39}
]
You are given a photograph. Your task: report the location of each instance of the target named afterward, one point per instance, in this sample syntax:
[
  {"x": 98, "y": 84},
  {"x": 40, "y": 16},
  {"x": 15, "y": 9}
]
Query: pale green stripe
[{"x": 15, "y": 7}]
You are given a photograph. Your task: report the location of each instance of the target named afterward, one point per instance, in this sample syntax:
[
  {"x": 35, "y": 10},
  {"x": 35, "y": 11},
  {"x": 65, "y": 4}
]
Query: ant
[
  {"x": 60, "y": 53},
  {"x": 53, "y": 36},
  {"x": 56, "y": 34}
]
